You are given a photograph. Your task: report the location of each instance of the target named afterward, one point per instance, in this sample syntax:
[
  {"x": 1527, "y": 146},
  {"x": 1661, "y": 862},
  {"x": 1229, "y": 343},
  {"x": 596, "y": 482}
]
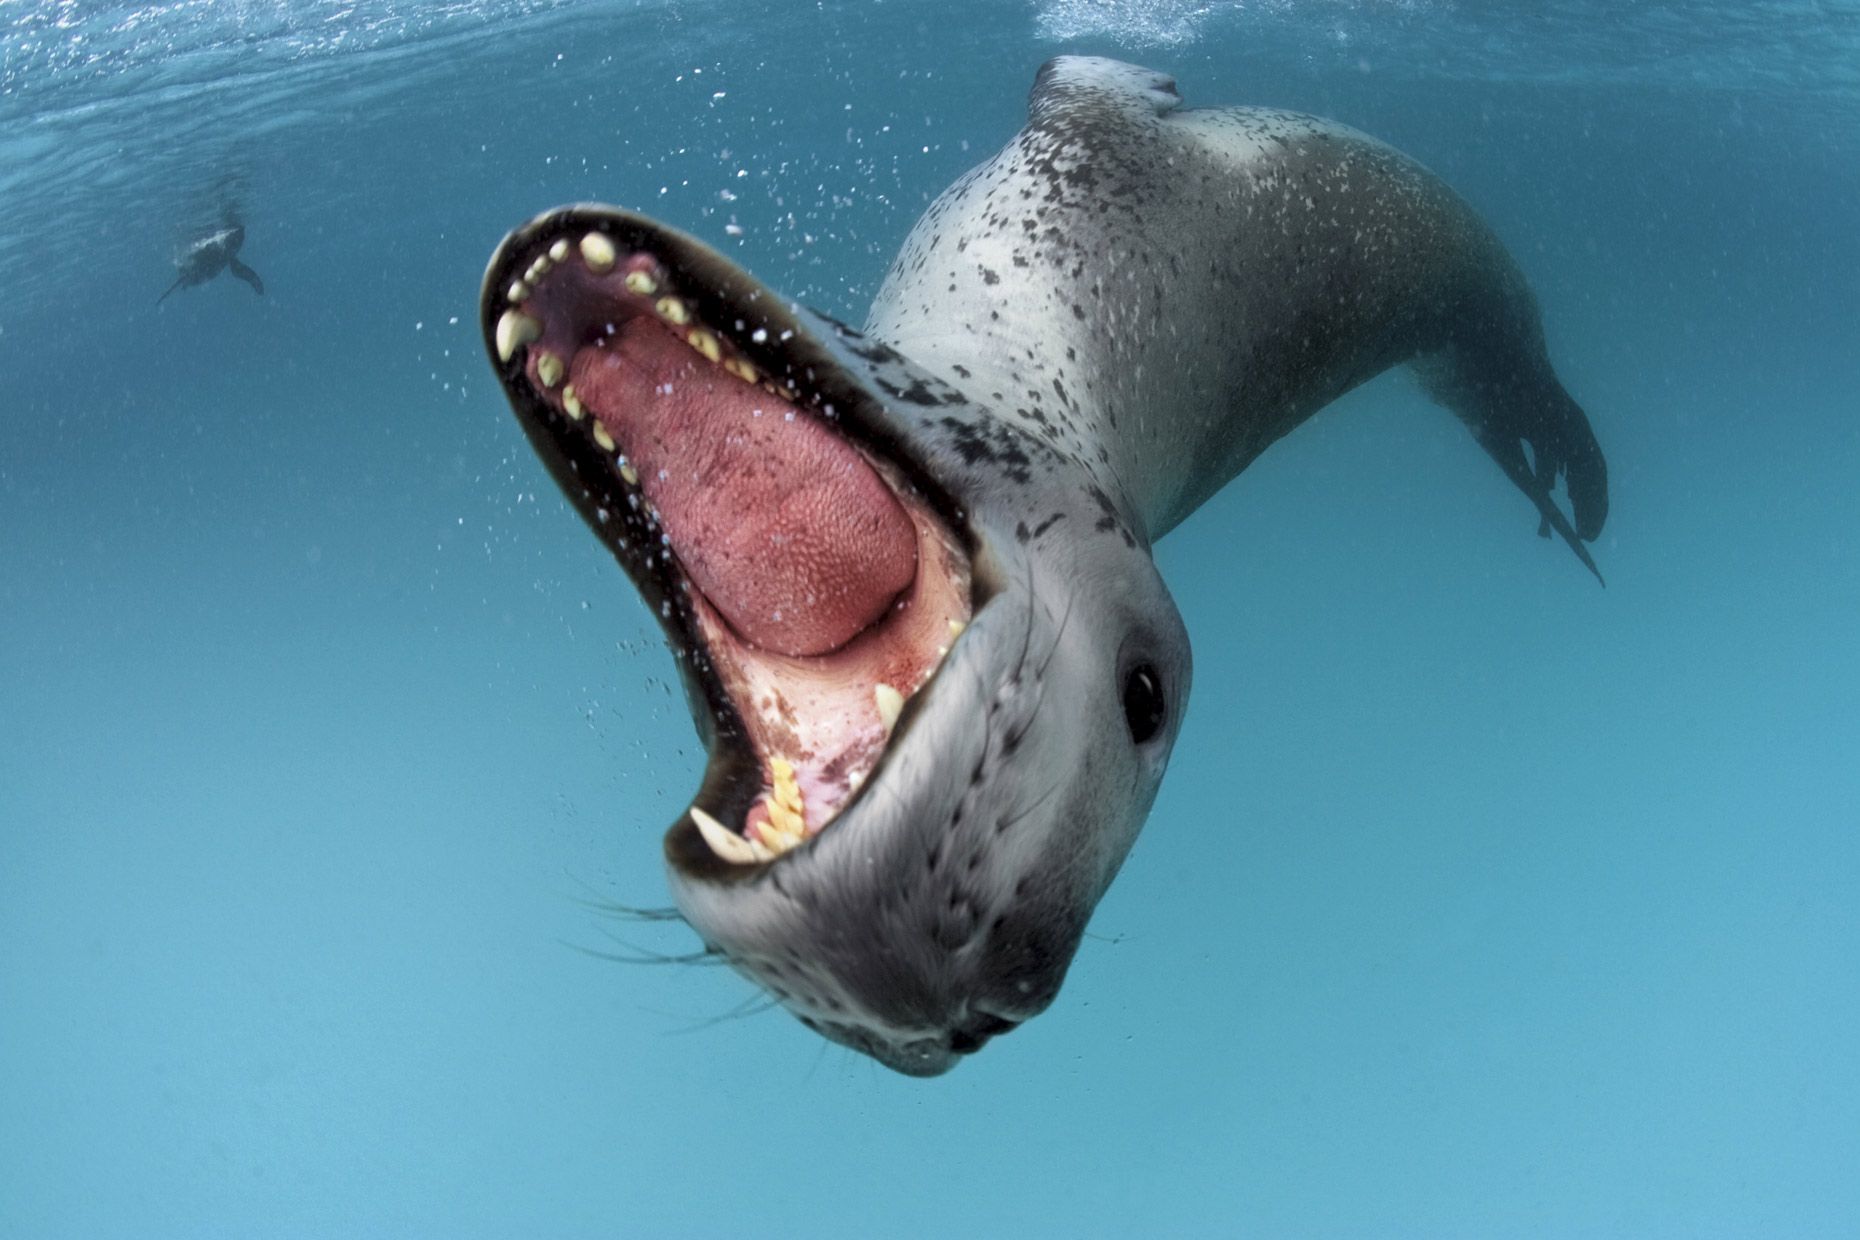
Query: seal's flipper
[
  {"x": 1525, "y": 404},
  {"x": 1509, "y": 453},
  {"x": 247, "y": 274}
]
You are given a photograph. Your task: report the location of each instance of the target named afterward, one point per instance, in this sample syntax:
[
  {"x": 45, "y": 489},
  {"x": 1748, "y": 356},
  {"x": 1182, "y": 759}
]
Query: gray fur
[
  {"x": 1164, "y": 293},
  {"x": 1081, "y": 341},
  {"x": 1103, "y": 324}
]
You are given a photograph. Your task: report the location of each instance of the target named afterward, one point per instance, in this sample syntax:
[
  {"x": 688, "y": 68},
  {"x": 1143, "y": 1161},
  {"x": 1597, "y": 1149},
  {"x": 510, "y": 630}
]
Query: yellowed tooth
[
  {"x": 597, "y": 251},
  {"x": 781, "y": 771},
  {"x": 890, "y": 704},
  {"x": 559, "y": 250},
  {"x": 726, "y": 843},
  {"x": 571, "y": 403},
  {"x": 629, "y": 473},
  {"x": 538, "y": 269},
  {"x": 956, "y": 627},
  {"x": 517, "y": 291},
  {"x": 602, "y": 438},
  {"x": 642, "y": 283},
  {"x": 783, "y": 827},
  {"x": 784, "y": 801},
  {"x": 672, "y": 310},
  {"x": 782, "y": 822},
  {"x": 741, "y": 369},
  {"x": 514, "y": 330},
  {"x": 548, "y": 369},
  {"x": 705, "y": 343}
]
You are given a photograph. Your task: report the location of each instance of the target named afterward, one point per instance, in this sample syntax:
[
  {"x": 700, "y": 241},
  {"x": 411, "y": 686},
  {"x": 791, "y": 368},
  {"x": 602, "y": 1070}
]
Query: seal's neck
[
  {"x": 1087, "y": 319},
  {"x": 1144, "y": 404}
]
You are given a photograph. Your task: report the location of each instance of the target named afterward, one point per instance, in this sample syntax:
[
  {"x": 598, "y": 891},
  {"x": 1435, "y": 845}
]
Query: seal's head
[{"x": 934, "y": 666}]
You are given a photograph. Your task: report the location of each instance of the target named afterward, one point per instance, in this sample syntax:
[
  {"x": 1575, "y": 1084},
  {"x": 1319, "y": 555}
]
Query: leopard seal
[{"x": 906, "y": 571}]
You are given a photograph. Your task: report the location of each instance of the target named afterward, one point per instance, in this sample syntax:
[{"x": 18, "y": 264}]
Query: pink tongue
[{"x": 780, "y": 523}]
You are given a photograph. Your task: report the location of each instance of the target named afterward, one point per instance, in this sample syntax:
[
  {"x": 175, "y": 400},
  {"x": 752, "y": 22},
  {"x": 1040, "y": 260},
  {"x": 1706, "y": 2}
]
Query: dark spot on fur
[{"x": 918, "y": 393}]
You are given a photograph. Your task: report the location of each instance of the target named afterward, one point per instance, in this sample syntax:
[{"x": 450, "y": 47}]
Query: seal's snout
[{"x": 923, "y": 1056}]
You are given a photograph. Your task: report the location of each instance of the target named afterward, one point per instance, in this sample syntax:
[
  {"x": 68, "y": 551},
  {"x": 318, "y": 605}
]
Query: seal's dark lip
[{"x": 772, "y": 334}]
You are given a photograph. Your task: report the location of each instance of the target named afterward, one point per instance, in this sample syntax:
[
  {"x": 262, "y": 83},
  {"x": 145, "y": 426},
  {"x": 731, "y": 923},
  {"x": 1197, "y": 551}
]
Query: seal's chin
[{"x": 808, "y": 582}]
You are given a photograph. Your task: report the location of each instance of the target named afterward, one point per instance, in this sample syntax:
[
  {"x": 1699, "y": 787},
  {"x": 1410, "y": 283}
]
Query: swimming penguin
[{"x": 207, "y": 256}]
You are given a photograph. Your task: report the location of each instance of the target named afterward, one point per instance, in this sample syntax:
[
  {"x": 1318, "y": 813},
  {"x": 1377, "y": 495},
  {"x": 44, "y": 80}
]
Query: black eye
[{"x": 1144, "y": 708}]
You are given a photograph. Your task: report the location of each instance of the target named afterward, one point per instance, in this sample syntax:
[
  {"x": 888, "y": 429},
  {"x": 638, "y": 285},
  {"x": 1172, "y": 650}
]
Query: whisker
[
  {"x": 1008, "y": 820},
  {"x": 645, "y": 955},
  {"x": 601, "y": 904},
  {"x": 1058, "y": 636}
]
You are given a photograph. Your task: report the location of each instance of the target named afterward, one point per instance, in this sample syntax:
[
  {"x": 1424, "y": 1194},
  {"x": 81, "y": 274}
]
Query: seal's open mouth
[{"x": 809, "y": 583}]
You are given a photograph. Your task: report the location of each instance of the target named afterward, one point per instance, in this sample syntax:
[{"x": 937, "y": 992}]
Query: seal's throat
[{"x": 810, "y": 586}]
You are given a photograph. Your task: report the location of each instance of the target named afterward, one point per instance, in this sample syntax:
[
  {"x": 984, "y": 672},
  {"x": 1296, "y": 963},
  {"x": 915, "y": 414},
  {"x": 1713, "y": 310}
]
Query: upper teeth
[
  {"x": 514, "y": 330},
  {"x": 781, "y": 824},
  {"x": 598, "y": 253}
]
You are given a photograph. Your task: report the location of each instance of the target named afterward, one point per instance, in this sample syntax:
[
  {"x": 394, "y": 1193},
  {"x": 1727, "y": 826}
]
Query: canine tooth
[
  {"x": 559, "y": 250},
  {"x": 602, "y": 438},
  {"x": 672, "y": 310},
  {"x": 726, "y": 843},
  {"x": 890, "y": 703},
  {"x": 572, "y": 403},
  {"x": 598, "y": 253},
  {"x": 641, "y": 282},
  {"x": 514, "y": 330},
  {"x": 956, "y": 627},
  {"x": 517, "y": 291},
  {"x": 705, "y": 343},
  {"x": 548, "y": 369},
  {"x": 630, "y": 474},
  {"x": 741, "y": 369}
]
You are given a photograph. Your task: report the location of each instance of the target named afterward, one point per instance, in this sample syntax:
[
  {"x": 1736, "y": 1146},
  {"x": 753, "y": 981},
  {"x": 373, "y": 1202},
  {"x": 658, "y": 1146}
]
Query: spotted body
[
  {"x": 1161, "y": 293},
  {"x": 903, "y": 839}
]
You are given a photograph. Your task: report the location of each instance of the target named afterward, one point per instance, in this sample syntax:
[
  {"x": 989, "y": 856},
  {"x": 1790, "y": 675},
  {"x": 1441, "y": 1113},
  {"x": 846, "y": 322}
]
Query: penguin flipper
[{"x": 247, "y": 274}]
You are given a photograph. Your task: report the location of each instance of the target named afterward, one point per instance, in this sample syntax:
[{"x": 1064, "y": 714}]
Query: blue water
[{"x": 1479, "y": 901}]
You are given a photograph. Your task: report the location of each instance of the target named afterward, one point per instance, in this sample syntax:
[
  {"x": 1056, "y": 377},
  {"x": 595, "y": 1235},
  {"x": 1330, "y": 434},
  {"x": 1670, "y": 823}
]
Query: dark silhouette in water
[{"x": 213, "y": 253}]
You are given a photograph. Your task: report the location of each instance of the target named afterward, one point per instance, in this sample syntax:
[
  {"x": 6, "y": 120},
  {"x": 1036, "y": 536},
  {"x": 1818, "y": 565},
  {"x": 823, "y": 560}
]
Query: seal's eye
[{"x": 1144, "y": 709}]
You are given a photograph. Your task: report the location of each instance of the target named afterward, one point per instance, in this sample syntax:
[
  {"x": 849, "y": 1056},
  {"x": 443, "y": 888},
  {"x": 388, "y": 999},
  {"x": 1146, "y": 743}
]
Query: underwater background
[{"x": 1480, "y": 900}]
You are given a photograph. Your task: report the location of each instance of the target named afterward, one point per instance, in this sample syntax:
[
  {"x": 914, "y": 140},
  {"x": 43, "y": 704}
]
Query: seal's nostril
[
  {"x": 987, "y": 1024},
  {"x": 981, "y": 1027},
  {"x": 965, "y": 1043}
]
